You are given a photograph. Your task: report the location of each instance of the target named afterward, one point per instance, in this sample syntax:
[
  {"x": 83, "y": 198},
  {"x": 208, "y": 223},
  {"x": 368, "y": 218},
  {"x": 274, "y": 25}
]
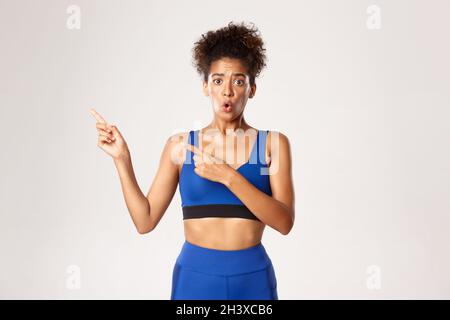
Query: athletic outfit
[{"x": 205, "y": 273}]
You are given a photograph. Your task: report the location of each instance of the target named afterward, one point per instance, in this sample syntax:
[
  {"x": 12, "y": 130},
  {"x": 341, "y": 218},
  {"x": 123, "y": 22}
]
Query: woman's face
[{"x": 228, "y": 86}]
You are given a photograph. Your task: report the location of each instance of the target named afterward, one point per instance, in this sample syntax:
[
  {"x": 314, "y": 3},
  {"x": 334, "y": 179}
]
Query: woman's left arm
[{"x": 277, "y": 211}]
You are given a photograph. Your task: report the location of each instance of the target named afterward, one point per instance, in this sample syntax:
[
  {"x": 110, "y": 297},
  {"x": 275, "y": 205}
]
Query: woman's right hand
[{"x": 109, "y": 138}]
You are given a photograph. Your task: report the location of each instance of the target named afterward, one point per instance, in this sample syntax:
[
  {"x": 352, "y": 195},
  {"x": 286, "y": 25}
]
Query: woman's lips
[{"x": 227, "y": 107}]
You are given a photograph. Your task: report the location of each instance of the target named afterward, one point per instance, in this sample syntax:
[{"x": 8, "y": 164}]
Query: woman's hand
[
  {"x": 210, "y": 167},
  {"x": 109, "y": 138}
]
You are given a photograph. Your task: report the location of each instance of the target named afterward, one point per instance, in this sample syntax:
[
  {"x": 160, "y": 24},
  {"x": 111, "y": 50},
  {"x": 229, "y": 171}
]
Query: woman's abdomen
[{"x": 223, "y": 233}]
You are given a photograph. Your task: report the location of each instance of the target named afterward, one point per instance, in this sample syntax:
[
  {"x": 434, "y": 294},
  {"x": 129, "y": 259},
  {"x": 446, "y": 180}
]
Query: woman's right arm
[
  {"x": 137, "y": 204},
  {"x": 145, "y": 212}
]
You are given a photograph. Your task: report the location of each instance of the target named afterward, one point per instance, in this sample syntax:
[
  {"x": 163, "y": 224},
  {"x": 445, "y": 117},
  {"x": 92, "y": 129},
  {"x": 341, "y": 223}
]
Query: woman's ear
[
  {"x": 252, "y": 91},
  {"x": 205, "y": 88}
]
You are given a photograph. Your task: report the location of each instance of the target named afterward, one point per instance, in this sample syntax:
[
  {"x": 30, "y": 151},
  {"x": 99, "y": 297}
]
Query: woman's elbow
[
  {"x": 285, "y": 231},
  {"x": 288, "y": 226},
  {"x": 144, "y": 229}
]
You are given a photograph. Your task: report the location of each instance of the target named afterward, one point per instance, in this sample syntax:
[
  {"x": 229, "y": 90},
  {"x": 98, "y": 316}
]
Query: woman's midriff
[{"x": 223, "y": 233}]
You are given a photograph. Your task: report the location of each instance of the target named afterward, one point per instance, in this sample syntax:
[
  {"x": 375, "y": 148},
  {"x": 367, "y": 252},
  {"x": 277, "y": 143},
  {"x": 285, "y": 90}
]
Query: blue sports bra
[{"x": 201, "y": 197}]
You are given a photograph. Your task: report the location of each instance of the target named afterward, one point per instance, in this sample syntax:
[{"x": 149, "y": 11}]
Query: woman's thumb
[{"x": 114, "y": 128}]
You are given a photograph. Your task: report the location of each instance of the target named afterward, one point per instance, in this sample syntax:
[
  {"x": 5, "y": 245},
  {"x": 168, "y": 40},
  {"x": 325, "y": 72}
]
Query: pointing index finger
[
  {"x": 97, "y": 116},
  {"x": 203, "y": 155},
  {"x": 193, "y": 148}
]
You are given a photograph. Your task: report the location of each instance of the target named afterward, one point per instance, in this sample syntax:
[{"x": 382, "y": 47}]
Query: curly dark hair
[{"x": 237, "y": 41}]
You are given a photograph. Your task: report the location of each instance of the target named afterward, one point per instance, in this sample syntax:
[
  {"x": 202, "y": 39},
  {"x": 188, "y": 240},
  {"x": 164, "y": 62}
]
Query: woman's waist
[
  {"x": 223, "y": 233},
  {"x": 214, "y": 261}
]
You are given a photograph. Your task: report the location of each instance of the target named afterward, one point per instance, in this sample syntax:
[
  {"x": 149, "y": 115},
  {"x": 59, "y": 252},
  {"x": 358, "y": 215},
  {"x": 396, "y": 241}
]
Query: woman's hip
[{"x": 223, "y": 262}]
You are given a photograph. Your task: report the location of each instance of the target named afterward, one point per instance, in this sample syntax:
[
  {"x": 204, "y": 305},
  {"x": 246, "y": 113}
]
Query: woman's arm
[
  {"x": 277, "y": 210},
  {"x": 146, "y": 212}
]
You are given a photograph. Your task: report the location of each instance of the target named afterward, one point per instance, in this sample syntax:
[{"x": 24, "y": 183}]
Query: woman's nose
[{"x": 227, "y": 91}]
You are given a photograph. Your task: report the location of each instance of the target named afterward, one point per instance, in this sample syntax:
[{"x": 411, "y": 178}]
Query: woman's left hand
[{"x": 209, "y": 166}]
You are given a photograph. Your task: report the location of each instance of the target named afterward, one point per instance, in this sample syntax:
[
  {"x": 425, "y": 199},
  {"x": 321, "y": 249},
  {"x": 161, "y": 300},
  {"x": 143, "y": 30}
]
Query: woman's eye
[{"x": 238, "y": 81}]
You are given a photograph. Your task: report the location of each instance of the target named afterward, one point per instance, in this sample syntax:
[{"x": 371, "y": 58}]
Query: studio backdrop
[{"x": 360, "y": 88}]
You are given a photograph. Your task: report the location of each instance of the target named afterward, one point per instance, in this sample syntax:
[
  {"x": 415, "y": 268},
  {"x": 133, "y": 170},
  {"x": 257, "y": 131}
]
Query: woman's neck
[{"x": 223, "y": 127}]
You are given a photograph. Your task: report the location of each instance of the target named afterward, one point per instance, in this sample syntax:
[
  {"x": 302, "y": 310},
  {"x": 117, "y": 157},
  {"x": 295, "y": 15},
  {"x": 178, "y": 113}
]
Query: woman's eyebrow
[{"x": 234, "y": 74}]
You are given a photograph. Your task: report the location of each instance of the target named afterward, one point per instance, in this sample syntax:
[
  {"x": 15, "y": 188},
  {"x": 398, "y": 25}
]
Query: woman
[{"x": 226, "y": 203}]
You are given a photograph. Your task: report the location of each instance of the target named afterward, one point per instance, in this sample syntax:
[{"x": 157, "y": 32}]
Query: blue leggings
[{"x": 210, "y": 274}]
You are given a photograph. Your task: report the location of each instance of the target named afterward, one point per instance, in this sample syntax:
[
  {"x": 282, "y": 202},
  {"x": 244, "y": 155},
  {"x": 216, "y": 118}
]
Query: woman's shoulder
[
  {"x": 276, "y": 141},
  {"x": 278, "y": 134},
  {"x": 178, "y": 136},
  {"x": 175, "y": 146}
]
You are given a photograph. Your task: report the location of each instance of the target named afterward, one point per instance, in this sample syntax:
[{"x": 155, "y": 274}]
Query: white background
[{"x": 366, "y": 112}]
